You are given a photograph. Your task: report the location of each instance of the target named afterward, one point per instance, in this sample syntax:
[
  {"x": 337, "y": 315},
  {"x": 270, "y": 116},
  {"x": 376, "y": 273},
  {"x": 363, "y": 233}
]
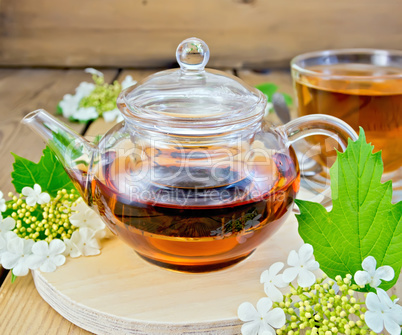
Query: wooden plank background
[{"x": 145, "y": 33}]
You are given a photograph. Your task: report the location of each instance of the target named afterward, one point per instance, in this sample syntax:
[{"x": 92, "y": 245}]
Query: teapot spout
[{"x": 74, "y": 151}]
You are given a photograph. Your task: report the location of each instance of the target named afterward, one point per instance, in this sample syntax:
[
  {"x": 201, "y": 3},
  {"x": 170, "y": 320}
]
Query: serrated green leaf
[
  {"x": 363, "y": 221},
  {"x": 48, "y": 173}
]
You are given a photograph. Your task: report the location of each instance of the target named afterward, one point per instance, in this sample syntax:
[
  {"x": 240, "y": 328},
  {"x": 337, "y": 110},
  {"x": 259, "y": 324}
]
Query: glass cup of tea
[{"x": 363, "y": 87}]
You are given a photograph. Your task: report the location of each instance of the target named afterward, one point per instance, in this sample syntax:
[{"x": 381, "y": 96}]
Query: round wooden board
[{"x": 117, "y": 292}]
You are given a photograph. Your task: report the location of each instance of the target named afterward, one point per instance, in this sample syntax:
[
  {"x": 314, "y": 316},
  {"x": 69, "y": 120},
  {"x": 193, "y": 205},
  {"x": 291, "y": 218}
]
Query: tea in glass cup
[{"x": 363, "y": 87}]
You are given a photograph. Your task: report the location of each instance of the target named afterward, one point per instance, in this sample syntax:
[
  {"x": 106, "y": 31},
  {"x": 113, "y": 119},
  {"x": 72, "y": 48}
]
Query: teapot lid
[{"x": 192, "y": 96}]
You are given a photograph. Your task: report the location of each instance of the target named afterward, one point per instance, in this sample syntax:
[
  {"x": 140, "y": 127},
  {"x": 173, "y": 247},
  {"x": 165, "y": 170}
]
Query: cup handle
[{"x": 319, "y": 124}]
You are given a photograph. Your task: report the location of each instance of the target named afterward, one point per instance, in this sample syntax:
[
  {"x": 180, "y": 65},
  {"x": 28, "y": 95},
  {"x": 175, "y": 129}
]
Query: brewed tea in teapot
[{"x": 192, "y": 179}]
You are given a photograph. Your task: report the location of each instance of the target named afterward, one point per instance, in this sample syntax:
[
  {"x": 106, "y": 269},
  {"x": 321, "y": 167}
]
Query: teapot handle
[{"x": 317, "y": 124}]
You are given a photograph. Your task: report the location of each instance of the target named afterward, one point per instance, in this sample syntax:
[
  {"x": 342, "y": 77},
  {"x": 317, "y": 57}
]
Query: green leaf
[
  {"x": 48, "y": 173},
  {"x": 13, "y": 277},
  {"x": 268, "y": 89},
  {"x": 363, "y": 221},
  {"x": 288, "y": 99},
  {"x": 97, "y": 139},
  {"x": 59, "y": 110},
  {"x": 62, "y": 141}
]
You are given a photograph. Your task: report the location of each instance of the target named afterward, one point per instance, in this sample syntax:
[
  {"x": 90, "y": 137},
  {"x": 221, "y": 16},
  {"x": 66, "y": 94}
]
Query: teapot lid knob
[{"x": 192, "y": 54}]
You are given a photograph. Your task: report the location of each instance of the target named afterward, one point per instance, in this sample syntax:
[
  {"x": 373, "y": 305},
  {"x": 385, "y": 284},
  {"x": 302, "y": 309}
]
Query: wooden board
[
  {"x": 23, "y": 312},
  {"x": 118, "y": 292},
  {"x": 146, "y": 32}
]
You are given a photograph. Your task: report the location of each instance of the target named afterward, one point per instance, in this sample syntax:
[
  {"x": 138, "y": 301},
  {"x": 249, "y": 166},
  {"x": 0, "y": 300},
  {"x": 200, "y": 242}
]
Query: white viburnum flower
[
  {"x": 383, "y": 312},
  {"x": 272, "y": 280},
  {"x": 112, "y": 115},
  {"x": 35, "y": 195},
  {"x": 3, "y": 205},
  {"x": 260, "y": 321},
  {"x": 93, "y": 72},
  {"x": 83, "y": 90},
  {"x": 253, "y": 222},
  {"x": 3, "y": 244},
  {"x": 4, "y": 238},
  {"x": 7, "y": 225},
  {"x": 301, "y": 264},
  {"x": 48, "y": 256},
  {"x": 86, "y": 217},
  {"x": 86, "y": 114},
  {"x": 17, "y": 256},
  {"x": 371, "y": 275},
  {"x": 86, "y": 242},
  {"x": 71, "y": 249},
  {"x": 127, "y": 82},
  {"x": 69, "y": 105}
]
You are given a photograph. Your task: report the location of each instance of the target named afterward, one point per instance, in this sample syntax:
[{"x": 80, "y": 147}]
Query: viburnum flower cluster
[
  {"x": 33, "y": 239},
  {"x": 321, "y": 305},
  {"x": 92, "y": 100}
]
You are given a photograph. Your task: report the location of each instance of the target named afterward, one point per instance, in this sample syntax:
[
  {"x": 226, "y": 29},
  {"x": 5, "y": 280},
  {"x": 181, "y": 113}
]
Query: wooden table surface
[{"x": 22, "y": 310}]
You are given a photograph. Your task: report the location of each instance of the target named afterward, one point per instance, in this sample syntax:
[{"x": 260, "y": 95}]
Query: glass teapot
[{"x": 192, "y": 179}]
